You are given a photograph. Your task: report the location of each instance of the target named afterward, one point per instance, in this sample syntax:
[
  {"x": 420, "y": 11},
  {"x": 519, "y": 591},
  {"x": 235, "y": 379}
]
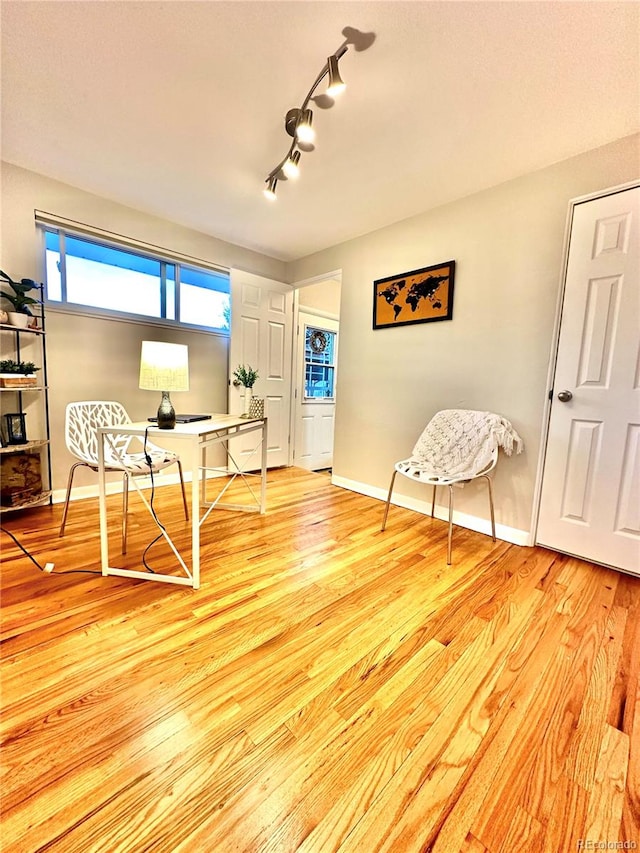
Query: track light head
[
  {"x": 290, "y": 167},
  {"x": 336, "y": 83},
  {"x": 304, "y": 130},
  {"x": 270, "y": 190}
]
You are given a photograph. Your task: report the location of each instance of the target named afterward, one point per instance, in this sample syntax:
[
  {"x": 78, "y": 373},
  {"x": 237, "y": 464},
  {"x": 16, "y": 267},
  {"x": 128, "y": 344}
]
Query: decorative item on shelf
[
  {"x": 21, "y": 303},
  {"x": 245, "y": 376},
  {"x": 20, "y": 478},
  {"x": 164, "y": 367},
  {"x": 298, "y": 121},
  {"x": 256, "y": 407},
  {"x": 20, "y": 321},
  {"x": 16, "y": 428},
  {"x": 18, "y": 374},
  {"x": 4, "y": 317}
]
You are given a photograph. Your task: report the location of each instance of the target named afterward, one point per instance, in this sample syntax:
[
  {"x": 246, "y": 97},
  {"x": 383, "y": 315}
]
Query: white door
[
  {"x": 316, "y": 365},
  {"x": 261, "y": 336},
  {"x": 590, "y": 503}
]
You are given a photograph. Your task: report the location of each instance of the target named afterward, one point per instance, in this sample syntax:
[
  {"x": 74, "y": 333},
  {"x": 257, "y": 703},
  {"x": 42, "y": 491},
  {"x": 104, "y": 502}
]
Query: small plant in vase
[
  {"x": 17, "y": 374},
  {"x": 20, "y": 301},
  {"x": 246, "y": 376}
]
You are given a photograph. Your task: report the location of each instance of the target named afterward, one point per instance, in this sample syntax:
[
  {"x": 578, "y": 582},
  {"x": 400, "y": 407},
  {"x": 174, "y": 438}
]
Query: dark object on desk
[{"x": 186, "y": 419}]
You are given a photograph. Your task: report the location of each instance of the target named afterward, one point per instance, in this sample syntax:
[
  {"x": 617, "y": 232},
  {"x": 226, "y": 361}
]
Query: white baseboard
[
  {"x": 462, "y": 519},
  {"x": 114, "y": 487}
]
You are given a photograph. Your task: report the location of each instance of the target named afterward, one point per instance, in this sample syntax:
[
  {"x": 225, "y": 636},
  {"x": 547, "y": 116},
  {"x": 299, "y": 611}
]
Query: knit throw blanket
[{"x": 460, "y": 442}]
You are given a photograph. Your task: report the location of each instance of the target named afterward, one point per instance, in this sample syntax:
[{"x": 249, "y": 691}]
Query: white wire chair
[
  {"x": 82, "y": 419},
  {"x": 456, "y": 446}
]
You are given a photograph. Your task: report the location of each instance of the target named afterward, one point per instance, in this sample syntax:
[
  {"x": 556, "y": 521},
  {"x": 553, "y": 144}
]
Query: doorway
[{"x": 316, "y": 349}]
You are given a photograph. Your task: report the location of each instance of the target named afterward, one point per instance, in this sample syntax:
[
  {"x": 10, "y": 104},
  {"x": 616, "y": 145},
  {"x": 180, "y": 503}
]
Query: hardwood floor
[{"x": 329, "y": 688}]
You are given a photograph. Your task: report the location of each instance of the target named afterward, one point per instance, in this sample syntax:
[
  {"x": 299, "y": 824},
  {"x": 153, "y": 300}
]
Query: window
[
  {"x": 114, "y": 279},
  {"x": 319, "y": 363}
]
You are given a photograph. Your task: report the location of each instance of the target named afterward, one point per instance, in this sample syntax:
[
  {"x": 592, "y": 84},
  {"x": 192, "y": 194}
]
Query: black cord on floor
[
  {"x": 42, "y": 568},
  {"x": 149, "y": 462}
]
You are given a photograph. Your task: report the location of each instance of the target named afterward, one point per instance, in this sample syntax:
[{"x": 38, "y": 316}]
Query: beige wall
[
  {"x": 323, "y": 296},
  {"x": 494, "y": 355},
  {"x": 98, "y": 358}
]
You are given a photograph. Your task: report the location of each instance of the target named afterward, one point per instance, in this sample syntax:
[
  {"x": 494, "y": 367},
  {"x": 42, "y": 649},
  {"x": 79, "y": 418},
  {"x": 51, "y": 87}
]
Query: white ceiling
[{"x": 177, "y": 108}]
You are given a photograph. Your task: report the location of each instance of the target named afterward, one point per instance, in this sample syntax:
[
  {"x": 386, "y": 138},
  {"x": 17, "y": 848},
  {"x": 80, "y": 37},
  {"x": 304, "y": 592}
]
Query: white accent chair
[
  {"x": 456, "y": 446},
  {"x": 82, "y": 419}
]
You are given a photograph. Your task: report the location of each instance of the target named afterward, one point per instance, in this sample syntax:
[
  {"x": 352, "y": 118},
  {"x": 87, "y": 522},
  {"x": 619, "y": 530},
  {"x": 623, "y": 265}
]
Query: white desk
[{"x": 197, "y": 437}]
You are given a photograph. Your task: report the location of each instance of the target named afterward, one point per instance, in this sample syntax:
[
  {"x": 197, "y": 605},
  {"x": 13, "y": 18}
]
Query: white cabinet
[{"x": 25, "y": 454}]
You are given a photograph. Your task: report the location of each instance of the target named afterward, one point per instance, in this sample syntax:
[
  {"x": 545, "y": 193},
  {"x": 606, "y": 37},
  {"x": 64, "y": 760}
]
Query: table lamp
[{"x": 164, "y": 367}]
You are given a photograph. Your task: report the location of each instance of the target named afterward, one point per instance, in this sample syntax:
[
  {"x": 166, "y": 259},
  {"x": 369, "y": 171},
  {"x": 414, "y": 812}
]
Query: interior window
[{"x": 114, "y": 279}]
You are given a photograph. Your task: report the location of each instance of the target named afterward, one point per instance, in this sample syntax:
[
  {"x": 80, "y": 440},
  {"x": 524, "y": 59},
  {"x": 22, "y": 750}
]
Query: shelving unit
[{"x": 26, "y": 466}]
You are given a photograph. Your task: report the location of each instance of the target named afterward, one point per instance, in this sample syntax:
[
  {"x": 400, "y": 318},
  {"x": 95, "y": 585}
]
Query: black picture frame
[
  {"x": 419, "y": 296},
  {"x": 16, "y": 428}
]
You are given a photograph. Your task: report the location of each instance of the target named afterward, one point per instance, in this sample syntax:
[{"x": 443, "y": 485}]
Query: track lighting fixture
[{"x": 298, "y": 121}]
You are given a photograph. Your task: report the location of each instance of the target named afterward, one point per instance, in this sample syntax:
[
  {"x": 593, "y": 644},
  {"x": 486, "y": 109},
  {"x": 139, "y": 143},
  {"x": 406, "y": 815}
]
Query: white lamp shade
[{"x": 164, "y": 367}]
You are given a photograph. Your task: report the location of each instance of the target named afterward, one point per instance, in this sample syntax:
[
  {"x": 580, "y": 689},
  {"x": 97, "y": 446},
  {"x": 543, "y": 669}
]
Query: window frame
[
  {"x": 156, "y": 254},
  {"x": 332, "y": 364}
]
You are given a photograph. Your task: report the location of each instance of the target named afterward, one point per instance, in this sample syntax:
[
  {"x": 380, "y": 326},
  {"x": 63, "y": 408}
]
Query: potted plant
[
  {"x": 17, "y": 374},
  {"x": 19, "y": 299},
  {"x": 245, "y": 376}
]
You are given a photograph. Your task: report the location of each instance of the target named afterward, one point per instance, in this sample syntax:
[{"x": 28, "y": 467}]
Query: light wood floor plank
[
  {"x": 584, "y": 751},
  {"x": 317, "y": 765},
  {"x": 568, "y": 817},
  {"x": 525, "y": 832},
  {"x": 606, "y": 799},
  {"x": 536, "y": 761},
  {"x": 472, "y": 845},
  {"x": 523, "y": 708},
  {"x": 625, "y": 706},
  {"x": 424, "y": 782}
]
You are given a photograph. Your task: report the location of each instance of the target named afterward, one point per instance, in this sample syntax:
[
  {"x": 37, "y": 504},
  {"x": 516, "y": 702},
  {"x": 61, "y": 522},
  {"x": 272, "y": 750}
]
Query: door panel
[
  {"x": 590, "y": 501},
  {"x": 601, "y": 315},
  {"x": 250, "y": 340},
  {"x": 276, "y": 350},
  {"x": 628, "y": 515},
  {"x": 582, "y": 461},
  {"x": 261, "y": 336}
]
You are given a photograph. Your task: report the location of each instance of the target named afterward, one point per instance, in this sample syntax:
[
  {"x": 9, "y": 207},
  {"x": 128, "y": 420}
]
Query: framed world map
[{"x": 419, "y": 296}]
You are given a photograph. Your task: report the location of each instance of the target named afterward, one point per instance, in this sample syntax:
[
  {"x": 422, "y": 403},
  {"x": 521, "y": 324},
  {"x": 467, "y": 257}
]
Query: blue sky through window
[{"x": 111, "y": 278}]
